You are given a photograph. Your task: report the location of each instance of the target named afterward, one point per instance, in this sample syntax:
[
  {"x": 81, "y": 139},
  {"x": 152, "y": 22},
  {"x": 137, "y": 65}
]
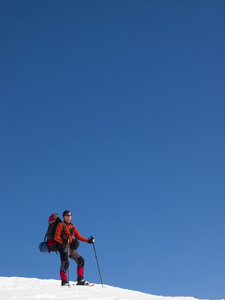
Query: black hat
[{"x": 67, "y": 213}]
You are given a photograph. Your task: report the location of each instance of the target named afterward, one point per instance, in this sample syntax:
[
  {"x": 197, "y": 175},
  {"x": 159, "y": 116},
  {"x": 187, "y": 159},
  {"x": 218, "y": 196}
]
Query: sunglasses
[{"x": 68, "y": 214}]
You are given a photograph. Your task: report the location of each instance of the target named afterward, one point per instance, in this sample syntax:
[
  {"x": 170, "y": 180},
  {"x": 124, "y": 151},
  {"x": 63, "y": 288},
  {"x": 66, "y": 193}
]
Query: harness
[{"x": 70, "y": 229}]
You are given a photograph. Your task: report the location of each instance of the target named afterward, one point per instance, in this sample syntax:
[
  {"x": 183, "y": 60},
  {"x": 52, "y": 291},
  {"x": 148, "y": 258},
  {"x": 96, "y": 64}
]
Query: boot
[
  {"x": 65, "y": 283},
  {"x": 81, "y": 281}
]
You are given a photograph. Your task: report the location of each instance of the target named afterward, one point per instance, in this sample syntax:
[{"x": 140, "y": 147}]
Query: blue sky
[{"x": 115, "y": 110}]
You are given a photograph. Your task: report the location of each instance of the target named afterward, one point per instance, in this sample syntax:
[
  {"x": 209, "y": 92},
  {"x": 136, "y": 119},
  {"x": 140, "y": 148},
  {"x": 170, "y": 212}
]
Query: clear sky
[{"x": 115, "y": 110}]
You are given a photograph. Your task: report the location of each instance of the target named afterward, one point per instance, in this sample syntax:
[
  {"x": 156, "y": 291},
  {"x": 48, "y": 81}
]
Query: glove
[
  {"x": 91, "y": 240},
  {"x": 65, "y": 241}
]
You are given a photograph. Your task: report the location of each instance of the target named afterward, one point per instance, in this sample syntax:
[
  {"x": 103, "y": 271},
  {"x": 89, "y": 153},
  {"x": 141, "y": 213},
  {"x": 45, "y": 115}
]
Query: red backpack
[{"x": 53, "y": 221}]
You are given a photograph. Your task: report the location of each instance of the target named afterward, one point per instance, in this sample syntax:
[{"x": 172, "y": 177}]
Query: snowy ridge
[{"x": 20, "y": 288}]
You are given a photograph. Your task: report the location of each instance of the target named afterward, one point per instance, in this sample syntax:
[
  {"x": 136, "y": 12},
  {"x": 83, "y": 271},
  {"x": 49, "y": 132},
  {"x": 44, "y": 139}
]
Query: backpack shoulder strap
[{"x": 64, "y": 225}]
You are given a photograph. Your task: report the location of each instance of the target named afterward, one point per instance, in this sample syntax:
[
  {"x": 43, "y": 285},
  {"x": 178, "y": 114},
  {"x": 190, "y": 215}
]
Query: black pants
[{"x": 65, "y": 253}]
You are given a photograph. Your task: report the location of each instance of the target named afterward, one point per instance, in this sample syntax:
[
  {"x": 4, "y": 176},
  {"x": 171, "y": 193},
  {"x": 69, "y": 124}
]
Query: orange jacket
[{"x": 61, "y": 234}]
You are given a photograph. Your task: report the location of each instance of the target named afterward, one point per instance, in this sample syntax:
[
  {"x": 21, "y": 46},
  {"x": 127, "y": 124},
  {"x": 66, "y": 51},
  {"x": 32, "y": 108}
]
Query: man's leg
[
  {"x": 64, "y": 257},
  {"x": 80, "y": 265}
]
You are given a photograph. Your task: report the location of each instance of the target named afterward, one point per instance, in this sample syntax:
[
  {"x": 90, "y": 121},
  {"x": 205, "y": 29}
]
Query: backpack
[{"x": 49, "y": 244}]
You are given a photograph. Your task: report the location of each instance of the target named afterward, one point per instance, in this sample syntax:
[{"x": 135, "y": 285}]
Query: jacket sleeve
[
  {"x": 58, "y": 232},
  {"x": 78, "y": 236}
]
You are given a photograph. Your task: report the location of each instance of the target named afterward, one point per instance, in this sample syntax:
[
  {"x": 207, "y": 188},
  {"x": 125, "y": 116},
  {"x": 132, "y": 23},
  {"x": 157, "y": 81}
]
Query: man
[{"x": 65, "y": 235}]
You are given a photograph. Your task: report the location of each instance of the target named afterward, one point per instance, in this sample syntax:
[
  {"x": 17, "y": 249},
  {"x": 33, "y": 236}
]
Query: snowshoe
[{"x": 82, "y": 282}]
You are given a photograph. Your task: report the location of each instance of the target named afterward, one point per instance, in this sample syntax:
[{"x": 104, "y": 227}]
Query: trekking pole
[
  {"x": 68, "y": 270},
  {"x": 98, "y": 264}
]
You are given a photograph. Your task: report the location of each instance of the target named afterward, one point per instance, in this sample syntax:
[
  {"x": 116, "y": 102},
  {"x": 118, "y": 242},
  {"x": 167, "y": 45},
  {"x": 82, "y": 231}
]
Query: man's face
[{"x": 68, "y": 217}]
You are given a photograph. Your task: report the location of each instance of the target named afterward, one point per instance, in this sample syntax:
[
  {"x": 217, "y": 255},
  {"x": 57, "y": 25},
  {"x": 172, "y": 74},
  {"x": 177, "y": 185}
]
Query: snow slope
[{"x": 18, "y": 288}]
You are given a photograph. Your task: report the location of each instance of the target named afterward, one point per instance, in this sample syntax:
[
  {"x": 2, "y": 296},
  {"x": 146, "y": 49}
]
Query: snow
[{"x": 19, "y": 288}]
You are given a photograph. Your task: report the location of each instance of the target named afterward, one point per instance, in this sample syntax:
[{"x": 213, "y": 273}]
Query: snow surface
[{"x": 19, "y": 288}]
